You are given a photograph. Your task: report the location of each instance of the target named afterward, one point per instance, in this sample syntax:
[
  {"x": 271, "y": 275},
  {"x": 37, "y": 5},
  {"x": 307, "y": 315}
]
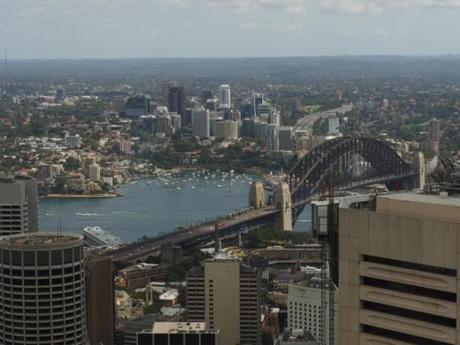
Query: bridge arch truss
[{"x": 346, "y": 163}]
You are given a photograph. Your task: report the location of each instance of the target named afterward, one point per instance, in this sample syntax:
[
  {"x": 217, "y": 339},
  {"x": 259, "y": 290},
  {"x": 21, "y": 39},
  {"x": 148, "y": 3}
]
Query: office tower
[
  {"x": 285, "y": 138},
  {"x": 304, "y": 308},
  {"x": 260, "y": 130},
  {"x": 165, "y": 86},
  {"x": 18, "y": 205},
  {"x": 100, "y": 300},
  {"x": 334, "y": 125},
  {"x": 42, "y": 290},
  {"x": 137, "y": 106},
  {"x": 178, "y": 333},
  {"x": 258, "y": 100},
  {"x": 272, "y": 137},
  {"x": 176, "y": 101},
  {"x": 226, "y": 295},
  {"x": 399, "y": 271},
  {"x": 225, "y": 96},
  {"x": 164, "y": 124},
  {"x": 94, "y": 172},
  {"x": 200, "y": 123},
  {"x": 226, "y": 129}
]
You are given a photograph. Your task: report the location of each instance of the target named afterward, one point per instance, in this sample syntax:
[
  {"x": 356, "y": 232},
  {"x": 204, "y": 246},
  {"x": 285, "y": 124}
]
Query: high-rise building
[
  {"x": 334, "y": 125},
  {"x": 178, "y": 333},
  {"x": 18, "y": 205},
  {"x": 165, "y": 86},
  {"x": 176, "y": 101},
  {"x": 304, "y": 309},
  {"x": 100, "y": 300},
  {"x": 200, "y": 123},
  {"x": 164, "y": 124},
  {"x": 285, "y": 138},
  {"x": 94, "y": 172},
  {"x": 226, "y": 129},
  {"x": 42, "y": 290},
  {"x": 137, "y": 106},
  {"x": 225, "y": 96},
  {"x": 258, "y": 100},
  {"x": 272, "y": 138},
  {"x": 399, "y": 271},
  {"x": 226, "y": 295}
]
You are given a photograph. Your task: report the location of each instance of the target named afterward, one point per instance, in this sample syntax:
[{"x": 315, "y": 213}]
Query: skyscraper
[
  {"x": 273, "y": 138},
  {"x": 226, "y": 295},
  {"x": 258, "y": 100},
  {"x": 176, "y": 101},
  {"x": 18, "y": 205},
  {"x": 399, "y": 271},
  {"x": 225, "y": 96},
  {"x": 200, "y": 123},
  {"x": 100, "y": 300},
  {"x": 42, "y": 289},
  {"x": 435, "y": 135}
]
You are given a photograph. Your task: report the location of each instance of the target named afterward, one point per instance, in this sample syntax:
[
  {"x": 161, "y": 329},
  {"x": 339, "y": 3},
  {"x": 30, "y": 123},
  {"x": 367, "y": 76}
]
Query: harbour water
[{"x": 154, "y": 206}]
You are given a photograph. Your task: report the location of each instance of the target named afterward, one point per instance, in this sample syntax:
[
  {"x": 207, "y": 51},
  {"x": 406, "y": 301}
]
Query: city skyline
[{"x": 186, "y": 28}]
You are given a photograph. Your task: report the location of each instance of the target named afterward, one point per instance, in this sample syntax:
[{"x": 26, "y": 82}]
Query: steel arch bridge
[{"x": 346, "y": 163}]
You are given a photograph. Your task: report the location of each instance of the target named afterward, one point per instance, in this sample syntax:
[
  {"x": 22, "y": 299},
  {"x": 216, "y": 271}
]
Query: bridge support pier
[
  {"x": 257, "y": 195},
  {"x": 282, "y": 200}
]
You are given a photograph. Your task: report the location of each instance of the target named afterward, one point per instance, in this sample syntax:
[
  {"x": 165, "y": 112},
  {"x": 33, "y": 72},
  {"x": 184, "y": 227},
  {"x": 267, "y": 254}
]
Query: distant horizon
[{"x": 421, "y": 56}]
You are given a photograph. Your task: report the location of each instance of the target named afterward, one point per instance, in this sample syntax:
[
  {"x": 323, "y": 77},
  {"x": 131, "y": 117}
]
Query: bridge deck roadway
[{"x": 141, "y": 249}]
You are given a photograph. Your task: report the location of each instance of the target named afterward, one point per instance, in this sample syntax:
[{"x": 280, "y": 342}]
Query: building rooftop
[
  {"x": 169, "y": 295},
  {"x": 417, "y": 205},
  {"x": 177, "y": 327},
  {"x": 39, "y": 239}
]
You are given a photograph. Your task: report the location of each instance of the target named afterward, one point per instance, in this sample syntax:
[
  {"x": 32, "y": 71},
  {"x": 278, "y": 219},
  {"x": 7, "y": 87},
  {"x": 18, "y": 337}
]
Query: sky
[{"x": 31, "y": 29}]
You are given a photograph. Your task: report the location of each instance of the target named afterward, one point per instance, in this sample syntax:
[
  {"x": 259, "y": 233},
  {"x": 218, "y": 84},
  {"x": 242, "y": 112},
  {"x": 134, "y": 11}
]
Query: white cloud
[{"x": 271, "y": 27}]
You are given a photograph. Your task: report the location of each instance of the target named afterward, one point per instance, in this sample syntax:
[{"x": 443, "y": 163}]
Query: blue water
[{"x": 152, "y": 207}]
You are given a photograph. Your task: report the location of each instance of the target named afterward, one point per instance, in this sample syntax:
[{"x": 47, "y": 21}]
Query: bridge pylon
[
  {"x": 282, "y": 200},
  {"x": 256, "y": 195}
]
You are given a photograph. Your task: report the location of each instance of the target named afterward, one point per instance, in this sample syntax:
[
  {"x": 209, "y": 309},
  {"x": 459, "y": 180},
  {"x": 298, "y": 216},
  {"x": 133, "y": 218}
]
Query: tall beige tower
[
  {"x": 399, "y": 276},
  {"x": 225, "y": 294},
  {"x": 282, "y": 200},
  {"x": 256, "y": 195}
]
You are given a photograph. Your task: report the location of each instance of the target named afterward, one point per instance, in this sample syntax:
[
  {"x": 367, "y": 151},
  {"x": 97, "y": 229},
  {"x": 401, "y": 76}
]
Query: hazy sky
[{"x": 220, "y": 28}]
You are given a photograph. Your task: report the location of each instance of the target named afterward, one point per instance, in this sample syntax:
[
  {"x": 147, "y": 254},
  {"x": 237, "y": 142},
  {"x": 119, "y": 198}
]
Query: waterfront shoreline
[{"x": 83, "y": 196}]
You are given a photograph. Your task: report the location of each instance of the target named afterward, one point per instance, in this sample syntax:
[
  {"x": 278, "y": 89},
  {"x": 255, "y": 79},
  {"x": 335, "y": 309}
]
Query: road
[
  {"x": 306, "y": 123},
  {"x": 141, "y": 249}
]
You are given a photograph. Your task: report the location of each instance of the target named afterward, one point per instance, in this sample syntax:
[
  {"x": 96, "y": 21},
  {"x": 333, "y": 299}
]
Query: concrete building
[
  {"x": 72, "y": 141},
  {"x": 100, "y": 301},
  {"x": 18, "y": 205},
  {"x": 42, "y": 294},
  {"x": 164, "y": 124},
  {"x": 333, "y": 126},
  {"x": 225, "y": 96},
  {"x": 304, "y": 309},
  {"x": 435, "y": 135},
  {"x": 137, "y": 276},
  {"x": 178, "y": 333},
  {"x": 226, "y": 295},
  {"x": 94, "y": 172},
  {"x": 273, "y": 143},
  {"x": 200, "y": 123},
  {"x": 226, "y": 129},
  {"x": 285, "y": 135},
  {"x": 400, "y": 271}
]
